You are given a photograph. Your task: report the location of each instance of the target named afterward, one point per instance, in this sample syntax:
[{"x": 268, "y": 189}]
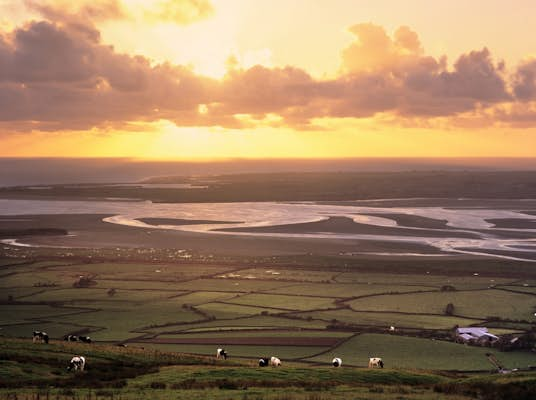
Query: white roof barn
[{"x": 475, "y": 334}]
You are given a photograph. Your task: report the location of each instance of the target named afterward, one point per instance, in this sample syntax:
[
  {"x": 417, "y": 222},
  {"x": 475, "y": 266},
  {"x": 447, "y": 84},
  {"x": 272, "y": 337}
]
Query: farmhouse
[{"x": 475, "y": 335}]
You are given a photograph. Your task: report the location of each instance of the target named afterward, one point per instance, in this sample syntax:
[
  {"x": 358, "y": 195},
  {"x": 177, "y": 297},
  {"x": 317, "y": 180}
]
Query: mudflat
[{"x": 90, "y": 231}]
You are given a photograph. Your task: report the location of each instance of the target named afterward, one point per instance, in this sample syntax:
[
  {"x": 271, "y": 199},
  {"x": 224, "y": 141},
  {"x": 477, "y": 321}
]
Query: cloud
[
  {"x": 94, "y": 11},
  {"x": 397, "y": 75},
  {"x": 374, "y": 51},
  {"x": 181, "y": 12},
  {"x": 57, "y": 75},
  {"x": 524, "y": 81},
  {"x": 63, "y": 78}
]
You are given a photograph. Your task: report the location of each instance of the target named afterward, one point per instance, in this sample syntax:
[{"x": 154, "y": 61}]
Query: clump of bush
[
  {"x": 520, "y": 390},
  {"x": 85, "y": 281},
  {"x": 229, "y": 385},
  {"x": 376, "y": 389},
  {"x": 157, "y": 385}
]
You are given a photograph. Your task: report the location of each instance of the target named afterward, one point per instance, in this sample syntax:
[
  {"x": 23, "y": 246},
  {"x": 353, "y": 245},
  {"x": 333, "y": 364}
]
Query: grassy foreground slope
[{"x": 127, "y": 373}]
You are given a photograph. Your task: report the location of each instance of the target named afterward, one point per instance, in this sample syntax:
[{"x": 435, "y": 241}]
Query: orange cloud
[
  {"x": 182, "y": 12},
  {"x": 63, "y": 78},
  {"x": 58, "y": 75},
  {"x": 524, "y": 80},
  {"x": 375, "y": 51},
  {"x": 95, "y": 10}
]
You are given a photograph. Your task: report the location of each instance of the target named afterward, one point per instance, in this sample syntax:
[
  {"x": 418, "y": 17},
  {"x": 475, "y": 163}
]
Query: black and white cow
[
  {"x": 264, "y": 362},
  {"x": 375, "y": 362},
  {"x": 40, "y": 337},
  {"x": 337, "y": 362},
  {"x": 77, "y": 362},
  {"x": 71, "y": 338},
  {"x": 273, "y": 361},
  {"x": 84, "y": 339},
  {"x": 221, "y": 353}
]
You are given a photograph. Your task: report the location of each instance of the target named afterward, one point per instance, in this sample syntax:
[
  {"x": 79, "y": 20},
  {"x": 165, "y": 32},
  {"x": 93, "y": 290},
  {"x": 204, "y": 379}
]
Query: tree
[
  {"x": 449, "y": 310},
  {"x": 85, "y": 281}
]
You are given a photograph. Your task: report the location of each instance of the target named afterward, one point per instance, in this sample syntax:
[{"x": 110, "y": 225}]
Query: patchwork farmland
[{"x": 303, "y": 315}]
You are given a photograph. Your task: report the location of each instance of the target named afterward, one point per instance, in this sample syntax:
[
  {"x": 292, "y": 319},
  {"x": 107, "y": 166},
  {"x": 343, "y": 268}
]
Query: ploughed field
[{"x": 255, "y": 307}]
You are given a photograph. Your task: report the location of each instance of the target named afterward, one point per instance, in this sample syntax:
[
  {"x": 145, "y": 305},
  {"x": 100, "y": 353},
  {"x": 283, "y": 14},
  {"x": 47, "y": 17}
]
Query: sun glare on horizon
[{"x": 198, "y": 79}]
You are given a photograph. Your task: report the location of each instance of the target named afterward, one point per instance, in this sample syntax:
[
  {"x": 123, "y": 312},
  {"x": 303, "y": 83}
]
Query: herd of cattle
[
  {"x": 79, "y": 362},
  {"x": 74, "y": 338},
  {"x": 42, "y": 337}
]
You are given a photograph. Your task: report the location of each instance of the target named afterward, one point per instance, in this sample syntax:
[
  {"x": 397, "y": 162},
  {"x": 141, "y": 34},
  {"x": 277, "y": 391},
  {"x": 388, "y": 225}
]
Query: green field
[
  {"x": 285, "y": 302},
  {"x": 469, "y": 304},
  {"x": 388, "y": 319},
  {"x": 252, "y": 352},
  {"x": 408, "y": 352},
  {"x": 133, "y": 373},
  {"x": 427, "y": 278},
  {"x": 345, "y": 290},
  {"x": 303, "y": 314},
  {"x": 523, "y": 288},
  {"x": 272, "y": 333},
  {"x": 255, "y": 322},
  {"x": 157, "y": 271},
  {"x": 224, "y": 311}
]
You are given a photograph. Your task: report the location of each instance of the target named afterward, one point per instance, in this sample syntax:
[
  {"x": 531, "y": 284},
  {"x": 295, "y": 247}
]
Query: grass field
[
  {"x": 305, "y": 314},
  {"x": 241, "y": 323},
  {"x": 272, "y": 333},
  {"x": 172, "y": 298},
  {"x": 407, "y": 352},
  {"x": 224, "y": 311},
  {"x": 285, "y": 302},
  {"x": 385, "y": 320},
  {"x": 252, "y": 352},
  {"x": 466, "y": 303},
  {"x": 132, "y": 373},
  {"x": 345, "y": 290}
]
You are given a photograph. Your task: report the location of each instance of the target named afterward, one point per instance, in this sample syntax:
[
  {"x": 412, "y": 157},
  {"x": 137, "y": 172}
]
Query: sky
[{"x": 225, "y": 79}]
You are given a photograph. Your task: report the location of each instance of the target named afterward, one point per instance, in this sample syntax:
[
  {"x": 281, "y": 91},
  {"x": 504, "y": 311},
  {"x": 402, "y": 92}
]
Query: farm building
[{"x": 475, "y": 335}]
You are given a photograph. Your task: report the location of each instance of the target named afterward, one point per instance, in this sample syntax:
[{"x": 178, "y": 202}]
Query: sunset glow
[{"x": 218, "y": 79}]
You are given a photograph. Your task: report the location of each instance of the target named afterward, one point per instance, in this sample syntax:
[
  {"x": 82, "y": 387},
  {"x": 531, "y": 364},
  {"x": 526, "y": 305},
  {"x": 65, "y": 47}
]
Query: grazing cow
[
  {"x": 77, "y": 362},
  {"x": 84, "y": 339},
  {"x": 375, "y": 362},
  {"x": 71, "y": 338},
  {"x": 40, "y": 337},
  {"x": 220, "y": 353},
  {"x": 263, "y": 362},
  {"x": 337, "y": 362},
  {"x": 275, "y": 362}
]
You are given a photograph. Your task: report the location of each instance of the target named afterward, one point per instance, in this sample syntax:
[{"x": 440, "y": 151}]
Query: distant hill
[
  {"x": 311, "y": 186},
  {"x": 45, "y": 171}
]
